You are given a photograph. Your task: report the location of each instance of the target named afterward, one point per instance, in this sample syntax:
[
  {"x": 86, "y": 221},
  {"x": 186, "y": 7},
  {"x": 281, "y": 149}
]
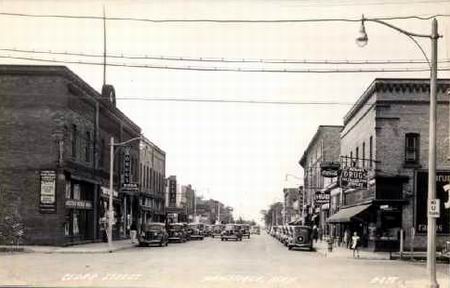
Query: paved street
[{"x": 259, "y": 262}]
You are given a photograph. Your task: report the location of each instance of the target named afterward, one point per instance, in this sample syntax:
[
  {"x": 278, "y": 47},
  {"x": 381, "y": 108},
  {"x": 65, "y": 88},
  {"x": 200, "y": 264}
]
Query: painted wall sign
[{"x": 47, "y": 197}]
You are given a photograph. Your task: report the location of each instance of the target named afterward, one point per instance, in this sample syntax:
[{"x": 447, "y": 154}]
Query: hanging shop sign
[
  {"x": 435, "y": 207},
  {"x": 330, "y": 169},
  {"x": 321, "y": 198},
  {"x": 354, "y": 177},
  {"x": 47, "y": 197}
]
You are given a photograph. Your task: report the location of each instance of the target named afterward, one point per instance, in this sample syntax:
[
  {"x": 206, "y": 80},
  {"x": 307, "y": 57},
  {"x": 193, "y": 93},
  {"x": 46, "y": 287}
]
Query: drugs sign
[{"x": 354, "y": 177}]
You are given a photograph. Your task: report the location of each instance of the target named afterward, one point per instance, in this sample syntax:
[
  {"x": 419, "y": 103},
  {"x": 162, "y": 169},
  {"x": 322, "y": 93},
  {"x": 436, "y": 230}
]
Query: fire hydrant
[{"x": 330, "y": 245}]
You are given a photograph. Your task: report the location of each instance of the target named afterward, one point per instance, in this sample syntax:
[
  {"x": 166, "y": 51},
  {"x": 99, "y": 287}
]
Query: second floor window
[
  {"x": 412, "y": 148},
  {"x": 87, "y": 147},
  {"x": 74, "y": 140}
]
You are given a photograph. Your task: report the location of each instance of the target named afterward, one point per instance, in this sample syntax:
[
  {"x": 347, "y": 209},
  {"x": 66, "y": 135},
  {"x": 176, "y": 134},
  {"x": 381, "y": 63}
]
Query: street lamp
[
  {"x": 434, "y": 36},
  {"x": 111, "y": 185}
]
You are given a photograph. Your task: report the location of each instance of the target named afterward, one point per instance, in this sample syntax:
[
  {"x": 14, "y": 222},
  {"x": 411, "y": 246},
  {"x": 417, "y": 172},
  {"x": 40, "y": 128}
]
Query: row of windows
[
  {"x": 151, "y": 179},
  {"x": 412, "y": 152},
  {"x": 81, "y": 144}
]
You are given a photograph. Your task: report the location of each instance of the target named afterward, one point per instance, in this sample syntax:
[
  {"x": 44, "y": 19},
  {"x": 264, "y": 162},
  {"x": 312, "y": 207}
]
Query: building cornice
[{"x": 394, "y": 85}]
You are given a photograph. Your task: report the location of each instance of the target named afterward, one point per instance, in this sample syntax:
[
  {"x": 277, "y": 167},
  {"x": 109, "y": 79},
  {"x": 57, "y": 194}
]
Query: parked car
[
  {"x": 217, "y": 230},
  {"x": 196, "y": 231},
  {"x": 231, "y": 232},
  {"x": 177, "y": 232},
  {"x": 245, "y": 230},
  {"x": 153, "y": 233},
  {"x": 208, "y": 230},
  {"x": 301, "y": 238}
]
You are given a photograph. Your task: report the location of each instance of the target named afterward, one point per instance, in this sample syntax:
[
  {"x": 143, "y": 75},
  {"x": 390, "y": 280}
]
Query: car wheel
[
  {"x": 290, "y": 247},
  {"x": 160, "y": 244}
]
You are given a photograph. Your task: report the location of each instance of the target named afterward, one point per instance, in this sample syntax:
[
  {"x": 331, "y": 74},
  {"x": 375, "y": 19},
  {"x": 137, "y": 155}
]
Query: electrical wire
[
  {"x": 226, "y": 69},
  {"x": 225, "y": 60},
  {"x": 331, "y": 103},
  {"x": 261, "y": 21}
]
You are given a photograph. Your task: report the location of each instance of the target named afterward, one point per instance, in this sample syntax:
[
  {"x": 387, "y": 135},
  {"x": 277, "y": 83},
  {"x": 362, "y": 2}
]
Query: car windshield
[{"x": 154, "y": 227}]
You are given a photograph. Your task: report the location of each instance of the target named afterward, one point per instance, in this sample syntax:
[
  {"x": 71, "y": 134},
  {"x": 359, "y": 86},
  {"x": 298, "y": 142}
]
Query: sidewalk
[
  {"x": 101, "y": 247},
  {"x": 342, "y": 252}
]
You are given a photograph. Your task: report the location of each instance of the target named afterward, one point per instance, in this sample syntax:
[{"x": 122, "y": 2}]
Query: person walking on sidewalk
[
  {"x": 133, "y": 232},
  {"x": 347, "y": 241},
  {"x": 355, "y": 244}
]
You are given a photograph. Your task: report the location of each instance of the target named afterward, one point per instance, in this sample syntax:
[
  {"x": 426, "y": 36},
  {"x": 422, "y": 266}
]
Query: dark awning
[{"x": 346, "y": 215}]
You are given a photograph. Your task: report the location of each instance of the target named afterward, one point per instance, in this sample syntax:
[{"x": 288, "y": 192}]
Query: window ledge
[{"x": 412, "y": 165}]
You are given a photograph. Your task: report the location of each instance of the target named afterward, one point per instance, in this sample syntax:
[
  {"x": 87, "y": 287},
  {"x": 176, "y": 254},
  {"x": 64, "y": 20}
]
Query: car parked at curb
[
  {"x": 177, "y": 233},
  {"x": 301, "y": 238},
  {"x": 153, "y": 233}
]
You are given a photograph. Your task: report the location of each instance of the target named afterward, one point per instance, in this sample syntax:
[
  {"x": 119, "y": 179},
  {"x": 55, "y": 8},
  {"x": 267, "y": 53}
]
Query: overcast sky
[{"x": 236, "y": 153}]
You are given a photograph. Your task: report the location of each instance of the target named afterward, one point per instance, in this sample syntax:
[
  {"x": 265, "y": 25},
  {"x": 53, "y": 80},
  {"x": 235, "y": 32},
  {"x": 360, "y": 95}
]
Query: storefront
[
  {"x": 103, "y": 213},
  {"x": 79, "y": 211}
]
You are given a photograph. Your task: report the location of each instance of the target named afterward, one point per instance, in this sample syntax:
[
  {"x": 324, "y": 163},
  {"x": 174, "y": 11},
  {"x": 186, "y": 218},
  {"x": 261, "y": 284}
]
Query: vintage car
[
  {"x": 208, "y": 230},
  {"x": 245, "y": 230},
  {"x": 196, "y": 231},
  {"x": 153, "y": 233},
  {"x": 177, "y": 232},
  {"x": 217, "y": 230},
  {"x": 301, "y": 237},
  {"x": 231, "y": 232}
]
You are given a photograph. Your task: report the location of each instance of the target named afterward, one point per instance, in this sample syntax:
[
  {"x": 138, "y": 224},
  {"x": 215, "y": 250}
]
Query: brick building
[
  {"x": 54, "y": 166},
  {"x": 152, "y": 170},
  {"x": 324, "y": 147},
  {"x": 385, "y": 137}
]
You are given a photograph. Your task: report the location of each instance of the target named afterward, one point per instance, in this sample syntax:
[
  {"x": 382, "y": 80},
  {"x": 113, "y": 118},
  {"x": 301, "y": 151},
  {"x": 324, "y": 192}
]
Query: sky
[{"x": 237, "y": 153}]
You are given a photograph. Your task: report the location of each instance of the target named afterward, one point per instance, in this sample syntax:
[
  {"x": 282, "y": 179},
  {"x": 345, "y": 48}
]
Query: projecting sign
[
  {"x": 434, "y": 208},
  {"x": 330, "y": 169},
  {"x": 321, "y": 198},
  {"x": 354, "y": 177},
  {"x": 47, "y": 197}
]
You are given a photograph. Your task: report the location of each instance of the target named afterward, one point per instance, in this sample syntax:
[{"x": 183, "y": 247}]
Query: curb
[
  {"x": 62, "y": 250},
  {"x": 324, "y": 253}
]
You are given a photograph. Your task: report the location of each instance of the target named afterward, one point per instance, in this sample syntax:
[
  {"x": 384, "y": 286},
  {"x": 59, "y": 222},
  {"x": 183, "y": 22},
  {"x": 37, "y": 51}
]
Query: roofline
[
  {"x": 314, "y": 138},
  {"x": 68, "y": 74},
  {"x": 147, "y": 141},
  {"x": 396, "y": 83}
]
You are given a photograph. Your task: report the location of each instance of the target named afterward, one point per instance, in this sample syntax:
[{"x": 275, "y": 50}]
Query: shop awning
[{"x": 346, "y": 215}]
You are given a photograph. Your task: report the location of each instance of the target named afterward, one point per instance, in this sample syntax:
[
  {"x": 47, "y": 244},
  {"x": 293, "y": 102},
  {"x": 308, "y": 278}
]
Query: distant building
[
  {"x": 152, "y": 171},
  {"x": 323, "y": 148},
  {"x": 175, "y": 201},
  {"x": 55, "y": 132}
]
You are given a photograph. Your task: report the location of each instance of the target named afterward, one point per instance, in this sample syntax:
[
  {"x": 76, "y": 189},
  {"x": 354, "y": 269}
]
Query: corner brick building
[
  {"x": 54, "y": 155},
  {"x": 386, "y": 134}
]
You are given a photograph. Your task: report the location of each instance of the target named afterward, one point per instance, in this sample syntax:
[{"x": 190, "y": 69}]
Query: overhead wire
[
  {"x": 261, "y": 21},
  {"x": 223, "y": 59},
  {"x": 226, "y": 69}
]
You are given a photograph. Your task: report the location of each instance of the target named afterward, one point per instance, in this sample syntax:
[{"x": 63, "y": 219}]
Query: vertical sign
[
  {"x": 47, "y": 197},
  {"x": 127, "y": 166}
]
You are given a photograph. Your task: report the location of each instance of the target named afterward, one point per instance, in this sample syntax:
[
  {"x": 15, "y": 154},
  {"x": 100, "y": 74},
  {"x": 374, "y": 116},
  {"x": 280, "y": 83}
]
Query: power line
[
  {"x": 238, "y": 101},
  {"x": 224, "y": 60},
  {"x": 261, "y": 21},
  {"x": 226, "y": 69}
]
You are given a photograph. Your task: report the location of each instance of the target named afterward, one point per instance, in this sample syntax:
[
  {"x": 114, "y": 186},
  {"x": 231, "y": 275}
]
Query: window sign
[
  {"x": 48, "y": 191},
  {"x": 76, "y": 191}
]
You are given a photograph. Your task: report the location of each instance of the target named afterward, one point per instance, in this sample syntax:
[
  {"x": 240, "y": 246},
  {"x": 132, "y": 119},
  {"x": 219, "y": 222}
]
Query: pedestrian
[
  {"x": 315, "y": 233},
  {"x": 355, "y": 244},
  {"x": 133, "y": 232},
  {"x": 347, "y": 238}
]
